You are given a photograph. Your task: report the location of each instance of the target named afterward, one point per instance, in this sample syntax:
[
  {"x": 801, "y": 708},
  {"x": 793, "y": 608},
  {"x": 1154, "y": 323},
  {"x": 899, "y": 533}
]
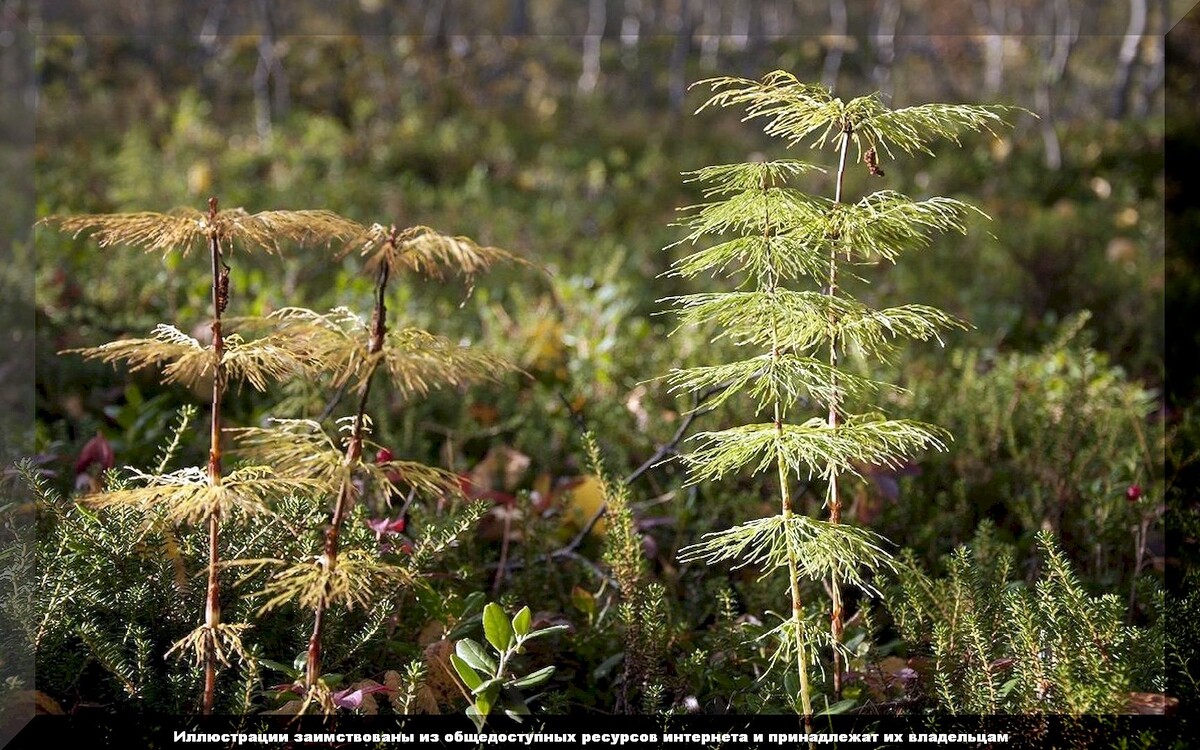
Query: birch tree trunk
[
  {"x": 885, "y": 44},
  {"x": 1127, "y": 58},
  {"x": 270, "y": 79},
  {"x": 592, "y": 38},
  {"x": 990, "y": 14},
  {"x": 631, "y": 28},
  {"x": 710, "y": 36},
  {"x": 518, "y": 19},
  {"x": 1056, "y": 51},
  {"x": 685, "y": 27},
  {"x": 1153, "y": 81},
  {"x": 837, "y": 35}
]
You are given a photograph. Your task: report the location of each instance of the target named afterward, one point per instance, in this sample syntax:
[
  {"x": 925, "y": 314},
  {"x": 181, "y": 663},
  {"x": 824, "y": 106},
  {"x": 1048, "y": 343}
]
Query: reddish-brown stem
[
  {"x": 345, "y": 497},
  {"x": 835, "y": 502},
  {"x": 212, "y": 604}
]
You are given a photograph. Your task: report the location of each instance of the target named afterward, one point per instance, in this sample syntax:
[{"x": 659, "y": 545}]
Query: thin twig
[
  {"x": 569, "y": 550},
  {"x": 664, "y": 451},
  {"x": 559, "y": 554},
  {"x": 669, "y": 448},
  {"x": 576, "y": 415},
  {"x": 327, "y": 412}
]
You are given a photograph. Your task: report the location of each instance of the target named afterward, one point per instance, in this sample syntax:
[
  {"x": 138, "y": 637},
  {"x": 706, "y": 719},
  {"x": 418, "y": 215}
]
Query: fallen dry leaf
[
  {"x": 440, "y": 682},
  {"x": 502, "y": 468}
]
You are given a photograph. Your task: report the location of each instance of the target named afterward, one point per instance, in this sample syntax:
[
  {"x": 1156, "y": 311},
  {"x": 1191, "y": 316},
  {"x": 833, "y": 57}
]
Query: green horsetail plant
[
  {"x": 773, "y": 237},
  {"x": 352, "y": 351},
  {"x": 207, "y": 495}
]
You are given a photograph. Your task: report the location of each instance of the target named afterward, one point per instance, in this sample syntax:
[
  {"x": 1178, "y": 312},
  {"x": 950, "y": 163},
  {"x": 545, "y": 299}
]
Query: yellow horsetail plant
[
  {"x": 351, "y": 351},
  {"x": 195, "y": 495},
  {"x": 790, "y": 315}
]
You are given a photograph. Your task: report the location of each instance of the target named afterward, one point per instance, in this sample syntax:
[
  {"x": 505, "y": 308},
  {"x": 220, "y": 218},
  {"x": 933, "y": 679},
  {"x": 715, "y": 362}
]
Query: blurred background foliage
[{"x": 558, "y": 130}]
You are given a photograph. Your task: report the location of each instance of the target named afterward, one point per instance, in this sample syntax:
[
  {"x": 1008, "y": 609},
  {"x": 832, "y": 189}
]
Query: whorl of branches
[
  {"x": 182, "y": 229},
  {"x": 795, "y": 111}
]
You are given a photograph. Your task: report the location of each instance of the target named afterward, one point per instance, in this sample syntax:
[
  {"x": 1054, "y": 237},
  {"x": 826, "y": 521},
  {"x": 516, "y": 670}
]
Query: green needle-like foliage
[
  {"x": 806, "y": 321},
  {"x": 822, "y": 549},
  {"x": 797, "y": 111},
  {"x": 786, "y": 379},
  {"x": 642, "y": 605},
  {"x": 769, "y": 236},
  {"x": 809, "y": 449}
]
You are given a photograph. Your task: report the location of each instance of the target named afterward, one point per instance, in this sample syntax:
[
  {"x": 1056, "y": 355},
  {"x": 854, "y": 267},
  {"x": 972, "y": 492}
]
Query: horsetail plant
[
  {"x": 771, "y": 236},
  {"x": 207, "y": 495},
  {"x": 351, "y": 351}
]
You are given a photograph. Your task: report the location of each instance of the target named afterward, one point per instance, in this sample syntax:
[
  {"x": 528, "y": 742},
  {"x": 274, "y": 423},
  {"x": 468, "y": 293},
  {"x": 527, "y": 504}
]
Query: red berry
[
  {"x": 1133, "y": 493},
  {"x": 383, "y": 456}
]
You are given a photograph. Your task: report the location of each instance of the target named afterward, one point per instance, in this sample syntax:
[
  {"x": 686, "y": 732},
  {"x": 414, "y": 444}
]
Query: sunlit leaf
[{"x": 496, "y": 627}]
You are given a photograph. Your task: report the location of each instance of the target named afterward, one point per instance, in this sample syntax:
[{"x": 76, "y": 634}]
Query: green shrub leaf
[
  {"x": 464, "y": 670},
  {"x": 535, "y": 678},
  {"x": 522, "y": 622},
  {"x": 475, "y": 655},
  {"x": 496, "y": 628}
]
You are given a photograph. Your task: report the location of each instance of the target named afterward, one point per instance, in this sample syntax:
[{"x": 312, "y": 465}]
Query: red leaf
[
  {"x": 353, "y": 698},
  {"x": 95, "y": 451},
  {"x": 473, "y": 491},
  {"x": 383, "y": 526}
]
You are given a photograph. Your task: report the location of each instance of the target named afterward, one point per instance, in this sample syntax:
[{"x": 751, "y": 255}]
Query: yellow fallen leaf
[
  {"x": 544, "y": 347},
  {"x": 441, "y": 686},
  {"x": 584, "y": 500},
  {"x": 44, "y": 704}
]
